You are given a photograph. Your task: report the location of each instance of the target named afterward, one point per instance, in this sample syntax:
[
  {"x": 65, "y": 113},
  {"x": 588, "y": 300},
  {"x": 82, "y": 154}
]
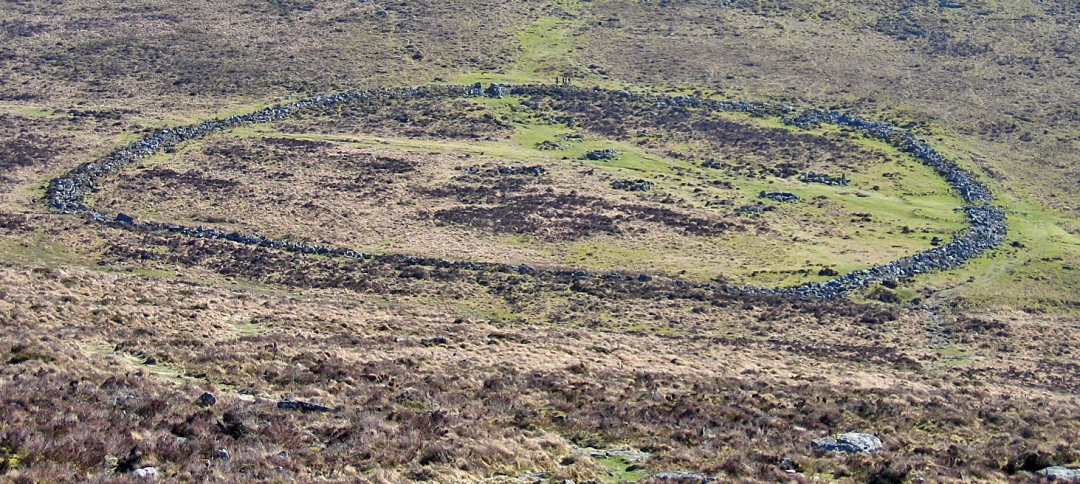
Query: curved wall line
[{"x": 987, "y": 224}]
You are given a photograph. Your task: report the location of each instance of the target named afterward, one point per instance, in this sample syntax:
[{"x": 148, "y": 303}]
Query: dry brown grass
[{"x": 497, "y": 396}]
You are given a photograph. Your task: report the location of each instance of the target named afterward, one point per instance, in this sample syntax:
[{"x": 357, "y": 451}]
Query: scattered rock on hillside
[
  {"x": 784, "y": 197},
  {"x": 626, "y": 455},
  {"x": 632, "y": 185},
  {"x": 683, "y": 476},
  {"x": 605, "y": 154},
  {"x": 1055, "y": 473},
  {"x": 145, "y": 473},
  {"x": 208, "y": 399},
  {"x": 842, "y": 181},
  {"x": 851, "y": 442},
  {"x": 305, "y": 406}
]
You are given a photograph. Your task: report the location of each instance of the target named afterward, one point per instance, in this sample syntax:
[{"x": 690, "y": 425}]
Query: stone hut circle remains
[{"x": 987, "y": 226}]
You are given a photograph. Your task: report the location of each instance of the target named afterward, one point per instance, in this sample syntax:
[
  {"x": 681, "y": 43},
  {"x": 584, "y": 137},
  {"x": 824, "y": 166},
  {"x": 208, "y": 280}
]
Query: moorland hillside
[{"x": 662, "y": 241}]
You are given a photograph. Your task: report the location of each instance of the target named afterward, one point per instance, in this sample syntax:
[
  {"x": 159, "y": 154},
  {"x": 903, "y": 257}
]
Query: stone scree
[
  {"x": 824, "y": 179},
  {"x": 632, "y": 185},
  {"x": 783, "y": 197},
  {"x": 66, "y": 193}
]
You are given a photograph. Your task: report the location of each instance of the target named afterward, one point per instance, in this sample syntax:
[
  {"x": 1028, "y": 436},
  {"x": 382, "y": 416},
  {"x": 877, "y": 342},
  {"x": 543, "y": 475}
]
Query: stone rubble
[
  {"x": 632, "y": 185},
  {"x": 783, "y": 197},
  {"x": 604, "y": 154},
  {"x": 824, "y": 179},
  {"x": 304, "y": 406}
]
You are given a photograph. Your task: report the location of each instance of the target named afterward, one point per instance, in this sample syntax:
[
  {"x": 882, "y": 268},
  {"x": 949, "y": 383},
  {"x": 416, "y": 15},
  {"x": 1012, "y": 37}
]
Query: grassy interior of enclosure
[{"x": 390, "y": 181}]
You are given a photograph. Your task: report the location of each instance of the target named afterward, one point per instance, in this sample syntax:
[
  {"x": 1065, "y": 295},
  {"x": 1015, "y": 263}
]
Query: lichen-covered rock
[
  {"x": 1056, "y": 473},
  {"x": 605, "y": 154},
  {"x": 145, "y": 473},
  {"x": 851, "y": 442}
]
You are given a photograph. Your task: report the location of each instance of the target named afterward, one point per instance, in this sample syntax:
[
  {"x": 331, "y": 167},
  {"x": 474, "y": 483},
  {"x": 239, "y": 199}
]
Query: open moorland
[{"x": 591, "y": 275}]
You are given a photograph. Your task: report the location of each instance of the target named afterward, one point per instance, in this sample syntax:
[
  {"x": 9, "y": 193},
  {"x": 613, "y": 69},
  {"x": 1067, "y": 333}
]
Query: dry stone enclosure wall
[{"x": 987, "y": 224}]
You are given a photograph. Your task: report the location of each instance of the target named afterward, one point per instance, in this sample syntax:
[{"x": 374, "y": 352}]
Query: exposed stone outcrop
[
  {"x": 1060, "y": 473},
  {"x": 851, "y": 442}
]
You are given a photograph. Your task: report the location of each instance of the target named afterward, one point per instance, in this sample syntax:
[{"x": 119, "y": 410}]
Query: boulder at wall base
[
  {"x": 1059, "y": 473},
  {"x": 683, "y": 476},
  {"x": 851, "y": 442}
]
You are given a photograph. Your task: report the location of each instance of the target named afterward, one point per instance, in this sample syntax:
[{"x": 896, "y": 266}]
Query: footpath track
[{"x": 987, "y": 226}]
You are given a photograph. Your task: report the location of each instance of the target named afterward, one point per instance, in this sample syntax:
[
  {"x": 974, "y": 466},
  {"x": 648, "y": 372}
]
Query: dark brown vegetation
[
  {"x": 178, "y": 54},
  {"x": 235, "y": 180},
  {"x": 561, "y": 216},
  {"x": 414, "y": 118},
  {"x": 739, "y": 147}
]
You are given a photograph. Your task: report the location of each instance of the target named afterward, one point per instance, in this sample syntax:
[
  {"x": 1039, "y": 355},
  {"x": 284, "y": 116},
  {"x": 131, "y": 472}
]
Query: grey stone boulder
[
  {"x": 684, "y": 476},
  {"x": 604, "y": 154},
  {"x": 851, "y": 442},
  {"x": 207, "y": 399},
  {"x": 1060, "y": 473},
  {"x": 145, "y": 473}
]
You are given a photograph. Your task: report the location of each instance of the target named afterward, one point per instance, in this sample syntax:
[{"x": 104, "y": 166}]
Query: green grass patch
[
  {"x": 41, "y": 251},
  {"x": 620, "y": 470},
  {"x": 951, "y": 357}
]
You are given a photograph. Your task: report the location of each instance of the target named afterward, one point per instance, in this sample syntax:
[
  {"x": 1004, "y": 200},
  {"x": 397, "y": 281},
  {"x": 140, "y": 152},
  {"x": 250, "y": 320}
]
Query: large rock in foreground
[
  {"x": 1059, "y": 473},
  {"x": 851, "y": 442}
]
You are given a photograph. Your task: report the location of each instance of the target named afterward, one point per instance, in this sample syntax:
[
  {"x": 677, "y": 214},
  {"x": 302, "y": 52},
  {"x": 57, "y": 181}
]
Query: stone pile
[
  {"x": 850, "y": 442},
  {"x": 755, "y": 209},
  {"x": 824, "y": 179},
  {"x": 783, "y": 197},
  {"x": 66, "y": 193},
  {"x": 632, "y": 185},
  {"x": 304, "y": 406},
  {"x": 1060, "y": 473},
  {"x": 604, "y": 154},
  {"x": 535, "y": 170}
]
